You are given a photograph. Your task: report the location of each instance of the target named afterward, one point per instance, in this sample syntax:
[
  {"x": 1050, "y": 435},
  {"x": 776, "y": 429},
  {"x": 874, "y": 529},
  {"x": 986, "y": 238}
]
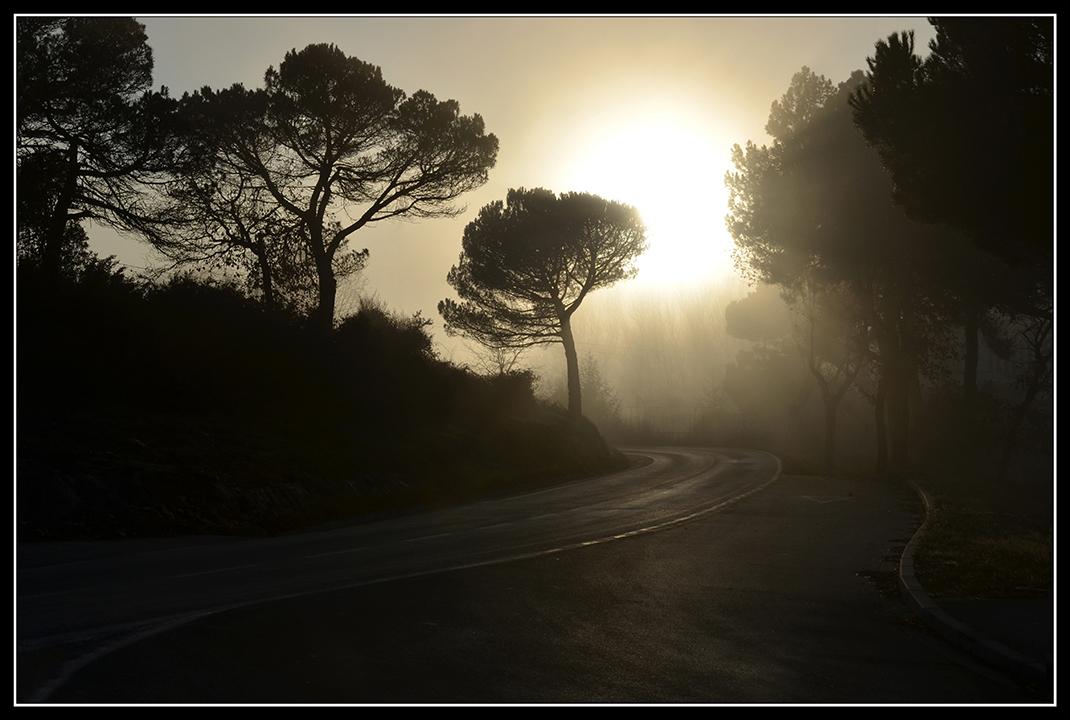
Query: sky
[{"x": 639, "y": 109}]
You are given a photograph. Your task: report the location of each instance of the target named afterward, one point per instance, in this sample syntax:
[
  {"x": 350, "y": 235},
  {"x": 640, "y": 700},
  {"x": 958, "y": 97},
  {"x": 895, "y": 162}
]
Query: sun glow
[{"x": 673, "y": 172}]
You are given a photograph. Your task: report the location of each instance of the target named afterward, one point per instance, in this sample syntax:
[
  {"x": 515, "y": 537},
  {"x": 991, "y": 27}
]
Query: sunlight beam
[{"x": 673, "y": 170}]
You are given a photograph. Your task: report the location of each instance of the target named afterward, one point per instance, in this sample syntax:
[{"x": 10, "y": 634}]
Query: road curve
[{"x": 100, "y": 595}]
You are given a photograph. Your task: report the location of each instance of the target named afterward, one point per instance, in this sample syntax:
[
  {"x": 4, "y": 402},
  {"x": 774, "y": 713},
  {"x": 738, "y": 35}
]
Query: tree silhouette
[
  {"x": 968, "y": 133},
  {"x": 527, "y": 264},
  {"x": 230, "y": 222},
  {"x": 829, "y": 331},
  {"x": 37, "y": 187},
  {"x": 833, "y": 335},
  {"x": 84, "y": 111},
  {"x": 1033, "y": 338},
  {"x": 600, "y": 402},
  {"x": 336, "y": 148},
  {"x": 227, "y": 217},
  {"x": 813, "y": 214}
]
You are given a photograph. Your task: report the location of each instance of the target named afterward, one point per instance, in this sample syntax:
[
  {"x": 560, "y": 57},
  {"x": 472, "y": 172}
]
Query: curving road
[
  {"x": 786, "y": 595},
  {"x": 90, "y": 598}
]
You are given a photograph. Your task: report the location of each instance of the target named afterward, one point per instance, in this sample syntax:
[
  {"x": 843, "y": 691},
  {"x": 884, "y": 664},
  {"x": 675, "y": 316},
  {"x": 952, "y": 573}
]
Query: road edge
[{"x": 962, "y": 636}]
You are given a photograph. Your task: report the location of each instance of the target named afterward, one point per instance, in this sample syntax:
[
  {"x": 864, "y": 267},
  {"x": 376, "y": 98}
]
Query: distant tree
[
  {"x": 768, "y": 385},
  {"x": 603, "y": 405},
  {"x": 828, "y": 332},
  {"x": 498, "y": 360},
  {"x": 761, "y": 317},
  {"x": 527, "y": 264},
  {"x": 84, "y": 111},
  {"x": 600, "y": 402},
  {"x": 335, "y": 148},
  {"x": 663, "y": 351},
  {"x": 1033, "y": 339},
  {"x": 833, "y": 335}
]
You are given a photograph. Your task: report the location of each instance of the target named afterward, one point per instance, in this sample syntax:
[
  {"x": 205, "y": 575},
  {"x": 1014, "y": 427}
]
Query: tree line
[
  {"x": 279, "y": 177},
  {"x": 275, "y": 182},
  {"x": 895, "y": 211},
  {"x": 907, "y": 207},
  {"x": 137, "y": 398}
]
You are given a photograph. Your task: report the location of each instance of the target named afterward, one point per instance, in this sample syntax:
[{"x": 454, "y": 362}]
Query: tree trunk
[
  {"x": 323, "y": 317},
  {"x": 1036, "y": 380},
  {"x": 894, "y": 400},
  {"x": 52, "y": 254},
  {"x": 882, "y": 429},
  {"x": 899, "y": 424},
  {"x": 572, "y": 365},
  {"x": 831, "y": 404},
  {"x": 265, "y": 275},
  {"x": 1015, "y": 429},
  {"x": 968, "y": 424}
]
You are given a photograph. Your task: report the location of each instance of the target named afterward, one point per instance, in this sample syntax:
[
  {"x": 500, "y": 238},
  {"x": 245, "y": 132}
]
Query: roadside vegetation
[
  {"x": 192, "y": 403},
  {"x": 147, "y": 409},
  {"x": 896, "y": 232},
  {"x": 986, "y": 541}
]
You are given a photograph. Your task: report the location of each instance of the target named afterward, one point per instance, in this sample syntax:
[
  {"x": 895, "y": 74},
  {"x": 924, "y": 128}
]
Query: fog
[
  {"x": 641, "y": 110},
  {"x": 380, "y": 268},
  {"x": 662, "y": 353},
  {"x": 554, "y": 90},
  {"x": 565, "y": 95}
]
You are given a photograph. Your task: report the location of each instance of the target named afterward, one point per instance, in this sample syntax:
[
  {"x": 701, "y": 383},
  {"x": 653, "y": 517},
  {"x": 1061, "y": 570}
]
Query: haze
[
  {"x": 643, "y": 110},
  {"x": 512, "y": 359}
]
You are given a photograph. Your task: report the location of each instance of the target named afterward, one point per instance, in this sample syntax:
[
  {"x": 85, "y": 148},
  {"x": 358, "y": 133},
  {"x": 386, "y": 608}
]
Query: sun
[{"x": 672, "y": 169}]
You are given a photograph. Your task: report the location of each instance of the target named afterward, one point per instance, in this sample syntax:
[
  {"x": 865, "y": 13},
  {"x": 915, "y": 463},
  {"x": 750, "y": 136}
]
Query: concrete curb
[{"x": 957, "y": 633}]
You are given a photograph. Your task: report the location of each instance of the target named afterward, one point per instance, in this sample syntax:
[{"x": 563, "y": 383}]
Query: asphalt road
[{"x": 699, "y": 577}]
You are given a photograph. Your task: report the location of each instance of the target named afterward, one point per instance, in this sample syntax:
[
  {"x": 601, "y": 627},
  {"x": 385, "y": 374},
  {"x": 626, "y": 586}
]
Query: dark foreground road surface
[{"x": 775, "y": 598}]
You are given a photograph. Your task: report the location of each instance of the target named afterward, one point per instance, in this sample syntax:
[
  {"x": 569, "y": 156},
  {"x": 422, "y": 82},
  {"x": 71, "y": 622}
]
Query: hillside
[{"x": 146, "y": 410}]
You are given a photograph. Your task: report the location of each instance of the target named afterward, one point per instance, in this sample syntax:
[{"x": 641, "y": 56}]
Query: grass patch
[{"x": 968, "y": 552}]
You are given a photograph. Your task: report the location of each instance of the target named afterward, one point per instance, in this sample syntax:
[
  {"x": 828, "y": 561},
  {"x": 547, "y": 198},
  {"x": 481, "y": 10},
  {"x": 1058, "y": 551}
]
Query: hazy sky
[{"x": 643, "y": 110}]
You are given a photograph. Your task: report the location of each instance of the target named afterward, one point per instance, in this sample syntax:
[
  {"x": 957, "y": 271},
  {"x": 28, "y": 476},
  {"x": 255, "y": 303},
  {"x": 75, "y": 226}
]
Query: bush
[{"x": 193, "y": 379}]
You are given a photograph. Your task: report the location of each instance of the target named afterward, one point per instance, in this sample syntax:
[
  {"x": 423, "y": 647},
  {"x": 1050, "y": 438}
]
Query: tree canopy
[
  {"x": 527, "y": 264},
  {"x": 91, "y": 136},
  {"x": 813, "y": 214},
  {"x": 326, "y": 148},
  {"x": 968, "y": 132}
]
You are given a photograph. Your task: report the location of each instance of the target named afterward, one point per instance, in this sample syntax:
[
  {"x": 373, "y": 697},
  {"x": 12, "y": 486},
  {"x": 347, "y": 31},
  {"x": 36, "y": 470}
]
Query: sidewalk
[{"x": 1017, "y": 636}]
